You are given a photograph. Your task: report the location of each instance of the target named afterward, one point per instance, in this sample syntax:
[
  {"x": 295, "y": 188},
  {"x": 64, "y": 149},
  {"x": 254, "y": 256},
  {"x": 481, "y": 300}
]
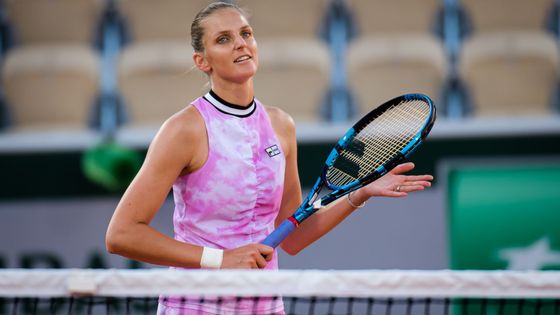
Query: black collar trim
[{"x": 229, "y": 108}]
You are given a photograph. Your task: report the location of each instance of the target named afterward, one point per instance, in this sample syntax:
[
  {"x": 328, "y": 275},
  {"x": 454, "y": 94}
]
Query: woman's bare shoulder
[
  {"x": 279, "y": 118},
  {"x": 186, "y": 124}
]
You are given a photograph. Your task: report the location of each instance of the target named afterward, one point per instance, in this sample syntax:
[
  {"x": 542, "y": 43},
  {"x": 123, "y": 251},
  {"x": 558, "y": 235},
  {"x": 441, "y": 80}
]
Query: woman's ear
[{"x": 200, "y": 62}]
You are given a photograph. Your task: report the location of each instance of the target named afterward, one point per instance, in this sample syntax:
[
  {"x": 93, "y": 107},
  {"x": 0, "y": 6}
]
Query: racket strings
[
  {"x": 391, "y": 132},
  {"x": 356, "y": 166},
  {"x": 381, "y": 140},
  {"x": 401, "y": 131}
]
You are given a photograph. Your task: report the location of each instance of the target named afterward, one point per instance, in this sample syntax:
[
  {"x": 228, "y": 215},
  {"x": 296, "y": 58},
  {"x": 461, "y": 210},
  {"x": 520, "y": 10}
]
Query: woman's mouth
[{"x": 242, "y": 58}]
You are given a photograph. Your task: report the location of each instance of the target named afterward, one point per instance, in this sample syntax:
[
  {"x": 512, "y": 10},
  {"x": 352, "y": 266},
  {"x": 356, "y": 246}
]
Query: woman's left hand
[{"x": 396, "y": 184}]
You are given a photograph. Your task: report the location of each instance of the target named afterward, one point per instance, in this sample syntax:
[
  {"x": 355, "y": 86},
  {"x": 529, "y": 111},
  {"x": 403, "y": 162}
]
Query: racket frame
[{"x": 312, "y": 202}]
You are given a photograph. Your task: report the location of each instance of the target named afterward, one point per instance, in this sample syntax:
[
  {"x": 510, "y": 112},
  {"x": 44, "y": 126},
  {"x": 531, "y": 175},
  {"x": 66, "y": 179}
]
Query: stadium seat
[
  {"x": 380, "y": 17},
  {"x": 50, "y": 86},
  {"x": 510, "y": 73},
  {"x": 508, "y": 63},
  {"x": 506, "y": 15},
  {"x": 294, "y": 62},
  {"x": 285, "y": 18},
  {"x": 53, "y": 21},
  {"x": 383, "y": 67},
  {"x": 295, "y": 80},
  {"x": 50, "y": 73},
  {"x": 395, "y": 51},
  {"x": 148, "y": 20},
  {"x": 157, "y": 79}
]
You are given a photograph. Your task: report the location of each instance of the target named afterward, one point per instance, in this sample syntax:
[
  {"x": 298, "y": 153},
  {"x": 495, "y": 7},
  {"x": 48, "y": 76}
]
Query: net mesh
[
  {"x": 379, "y": 141},
  {"x": 289, "y": 292},
  {"x": 293, "y": 305}
]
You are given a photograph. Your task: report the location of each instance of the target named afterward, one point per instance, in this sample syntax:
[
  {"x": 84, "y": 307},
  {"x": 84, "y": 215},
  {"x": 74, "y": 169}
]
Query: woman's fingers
[
  {"x": 407, "y": 167},
  {"x": 413, "y": 178},
  {"x": 403, "y": 168},
  {"x": 250, "y": 256}
]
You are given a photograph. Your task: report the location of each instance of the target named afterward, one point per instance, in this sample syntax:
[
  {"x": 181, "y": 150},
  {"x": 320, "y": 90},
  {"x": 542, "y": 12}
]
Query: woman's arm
[
  {"x": 179, "y": 147},
  {"x": 129, "y": 233}
]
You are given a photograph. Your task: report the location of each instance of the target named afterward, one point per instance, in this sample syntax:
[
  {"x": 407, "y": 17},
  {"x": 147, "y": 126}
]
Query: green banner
[{"x": 504, "y": 217}]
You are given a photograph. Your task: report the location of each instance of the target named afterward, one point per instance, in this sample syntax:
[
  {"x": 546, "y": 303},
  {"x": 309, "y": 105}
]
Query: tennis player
[{"x": 232, "y": 164}]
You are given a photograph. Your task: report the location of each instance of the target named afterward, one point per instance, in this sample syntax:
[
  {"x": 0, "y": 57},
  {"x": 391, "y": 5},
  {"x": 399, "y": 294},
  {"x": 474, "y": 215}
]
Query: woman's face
[{"x": 230, "y": 50}]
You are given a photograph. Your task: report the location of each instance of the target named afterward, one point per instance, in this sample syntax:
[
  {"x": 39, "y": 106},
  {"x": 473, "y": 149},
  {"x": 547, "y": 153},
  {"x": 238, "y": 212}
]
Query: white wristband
[{"x": 211, "y": 258}]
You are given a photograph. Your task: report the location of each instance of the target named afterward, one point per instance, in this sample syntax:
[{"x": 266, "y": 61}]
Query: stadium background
[{"x": 494, "y": 150}]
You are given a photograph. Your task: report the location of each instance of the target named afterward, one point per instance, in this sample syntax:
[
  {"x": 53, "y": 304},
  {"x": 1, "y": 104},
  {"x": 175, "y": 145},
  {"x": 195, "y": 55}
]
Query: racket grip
[{"x": 279, "y": 234}]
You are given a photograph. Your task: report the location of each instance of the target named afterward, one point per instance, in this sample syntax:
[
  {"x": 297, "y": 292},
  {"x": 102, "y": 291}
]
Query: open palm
[{"x": 396, "y": 184}]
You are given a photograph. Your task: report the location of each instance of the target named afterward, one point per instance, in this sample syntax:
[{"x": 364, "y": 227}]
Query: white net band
[{"x": 362, "y": 283}]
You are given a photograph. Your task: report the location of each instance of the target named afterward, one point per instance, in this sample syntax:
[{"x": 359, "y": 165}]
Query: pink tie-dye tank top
[{"x": 234, "y": 198}]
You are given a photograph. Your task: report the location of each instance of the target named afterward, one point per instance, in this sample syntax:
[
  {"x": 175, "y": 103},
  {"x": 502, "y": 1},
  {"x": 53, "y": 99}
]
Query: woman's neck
[{"x": 238, "y": 94}]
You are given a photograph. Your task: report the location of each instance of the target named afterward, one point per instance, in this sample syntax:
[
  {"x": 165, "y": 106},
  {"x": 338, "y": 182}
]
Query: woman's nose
[{"x": 240, "y": 42}]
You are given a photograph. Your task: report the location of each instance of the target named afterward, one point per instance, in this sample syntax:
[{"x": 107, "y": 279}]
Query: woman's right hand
[{"x": 252, "y": 256}]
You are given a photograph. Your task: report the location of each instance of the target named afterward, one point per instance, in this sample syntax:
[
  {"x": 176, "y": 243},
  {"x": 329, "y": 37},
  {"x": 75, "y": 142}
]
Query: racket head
[{"x": 379, "y": 141}]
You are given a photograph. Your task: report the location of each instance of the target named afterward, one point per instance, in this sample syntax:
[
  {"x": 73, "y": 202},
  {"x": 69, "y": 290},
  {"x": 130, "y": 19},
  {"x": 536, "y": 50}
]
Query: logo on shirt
[{"x": 272, "y": 150}]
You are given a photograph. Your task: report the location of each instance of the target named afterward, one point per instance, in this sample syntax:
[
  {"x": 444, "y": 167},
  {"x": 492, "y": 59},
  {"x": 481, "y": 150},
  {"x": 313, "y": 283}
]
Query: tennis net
[{"x": 86, "y": 291}]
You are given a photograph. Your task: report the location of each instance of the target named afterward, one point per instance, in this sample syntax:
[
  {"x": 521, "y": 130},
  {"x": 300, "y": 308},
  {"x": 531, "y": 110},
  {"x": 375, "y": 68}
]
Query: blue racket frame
[{"x": 311, "y": 204}]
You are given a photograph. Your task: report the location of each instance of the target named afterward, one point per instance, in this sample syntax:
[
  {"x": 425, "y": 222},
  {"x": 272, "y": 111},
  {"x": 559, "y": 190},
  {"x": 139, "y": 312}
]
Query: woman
[{"x": 232, "y": 164}]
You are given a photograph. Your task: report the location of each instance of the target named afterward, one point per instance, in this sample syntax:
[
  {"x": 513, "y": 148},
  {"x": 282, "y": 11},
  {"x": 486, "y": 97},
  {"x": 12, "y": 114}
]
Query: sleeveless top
[{"x": 234, "y": 198}]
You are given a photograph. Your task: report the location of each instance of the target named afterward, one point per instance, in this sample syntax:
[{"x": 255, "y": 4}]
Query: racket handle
[{"x": 279, "y": 234}]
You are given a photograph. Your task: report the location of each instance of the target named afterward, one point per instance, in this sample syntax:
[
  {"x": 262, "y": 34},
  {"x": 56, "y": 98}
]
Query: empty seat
[
  {"x": 148, "y": 20},
  {"x": 50, "y": 86},
  {"x": 507, "y": 15},
  {"x": 510, "y": 73},
  {"x": 383, "y": 67},
  {"x": 50, "y": 76},
  {"x": 396, "y": 51},
  {"x": 157, "y": 79},
  {"x": 508, "y": 63},
  {"x": 394, "y": 16},
  {"x": 295, "y": 80},
  {"x": 54, "y": 21},
  {"x": 286, "y": 18}
]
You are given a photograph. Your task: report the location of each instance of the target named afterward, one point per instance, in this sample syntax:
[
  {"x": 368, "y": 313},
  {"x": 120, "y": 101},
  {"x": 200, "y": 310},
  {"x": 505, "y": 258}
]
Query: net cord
[{"x": 358, "y": 283}]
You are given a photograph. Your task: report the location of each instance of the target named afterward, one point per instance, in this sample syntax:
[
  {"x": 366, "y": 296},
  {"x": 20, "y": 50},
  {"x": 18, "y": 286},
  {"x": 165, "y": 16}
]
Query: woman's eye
[
  {"x": 247, "y": 34},
  {"x": 222, "y": 40}
]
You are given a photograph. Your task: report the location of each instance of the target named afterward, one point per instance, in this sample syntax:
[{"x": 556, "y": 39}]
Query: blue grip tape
[{"x": 279, "y": 234}]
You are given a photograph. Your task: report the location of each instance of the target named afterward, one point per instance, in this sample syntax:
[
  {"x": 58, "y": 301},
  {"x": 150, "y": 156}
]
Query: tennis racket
[{"x": 377, "y": 143}]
